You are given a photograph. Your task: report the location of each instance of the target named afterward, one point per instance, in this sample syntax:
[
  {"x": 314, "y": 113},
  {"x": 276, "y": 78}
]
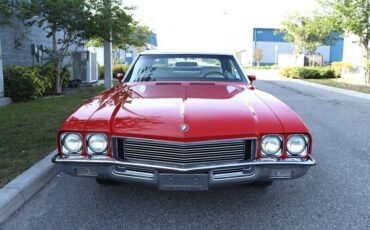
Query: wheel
[
  {"x": 105, "y": 181},
  {"x": 263, "y": 183}
]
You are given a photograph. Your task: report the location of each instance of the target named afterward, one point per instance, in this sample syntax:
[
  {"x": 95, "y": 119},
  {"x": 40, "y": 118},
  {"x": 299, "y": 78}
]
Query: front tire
[
  {"x": 105, "y": 181},
  {"x": 266, "y": 183}
]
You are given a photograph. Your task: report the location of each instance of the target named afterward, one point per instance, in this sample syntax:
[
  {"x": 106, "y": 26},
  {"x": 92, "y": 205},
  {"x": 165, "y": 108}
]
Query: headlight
[
  {"x": 297, "y": 145},
  {"x": 97, "y": 143},
  {"x": 271, "y": 145},
  {"x": 71, "y": 143}
]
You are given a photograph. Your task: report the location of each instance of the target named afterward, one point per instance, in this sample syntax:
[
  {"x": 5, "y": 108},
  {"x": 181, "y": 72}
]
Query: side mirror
[
  {"x": 251, "y": 78},
  {"x": 119, "y": 76}
]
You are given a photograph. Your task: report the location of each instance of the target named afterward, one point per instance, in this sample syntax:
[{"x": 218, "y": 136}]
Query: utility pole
[
  {"x": 276, "y": 53},
  {"x": 108, "y": 64},
  {"x": 108, "y": 53},
  {"x": 1, "y": 74}
]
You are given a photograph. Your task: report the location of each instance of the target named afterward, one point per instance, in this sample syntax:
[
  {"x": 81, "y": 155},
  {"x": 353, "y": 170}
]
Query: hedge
[
  {"x": 308, "y": 72},
  {"x": 48, "y": 72},
  {"x": 119, "y": 68},
  {"x": 23, "y": 83},
  {"x": 339, "y": 66},
  {"x": 262, "y": 67},
  {"x": 101, "y": 71}
]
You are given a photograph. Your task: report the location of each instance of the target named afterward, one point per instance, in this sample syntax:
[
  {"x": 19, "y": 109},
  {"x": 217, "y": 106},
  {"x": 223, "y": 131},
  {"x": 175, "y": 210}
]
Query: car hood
[{"x": 156, "y": 110}]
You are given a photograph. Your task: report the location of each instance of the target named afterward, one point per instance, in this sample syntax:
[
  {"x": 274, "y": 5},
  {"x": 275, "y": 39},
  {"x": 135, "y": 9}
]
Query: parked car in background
[{"x": 185, "y": 121}]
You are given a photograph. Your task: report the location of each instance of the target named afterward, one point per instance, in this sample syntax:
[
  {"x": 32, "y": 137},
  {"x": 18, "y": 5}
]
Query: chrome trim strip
[
  {"x": 182, "y": 160},
  {"x": 198, "y": 148},
  {"x": 187, "y": 168},
  {"x": 177, "y": 154},
  {"x": 218, "y": 141},
  {"x": 174, "y": 152},
  {"x": 135, "y": 173}
]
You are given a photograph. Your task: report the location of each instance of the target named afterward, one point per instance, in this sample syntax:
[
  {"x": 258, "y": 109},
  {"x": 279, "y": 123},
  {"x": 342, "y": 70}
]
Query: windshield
[{"x": 184, "y": 67}]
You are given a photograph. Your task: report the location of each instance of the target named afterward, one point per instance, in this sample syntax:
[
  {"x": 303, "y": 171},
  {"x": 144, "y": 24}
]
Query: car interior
[{"x": 185, "y": 69}]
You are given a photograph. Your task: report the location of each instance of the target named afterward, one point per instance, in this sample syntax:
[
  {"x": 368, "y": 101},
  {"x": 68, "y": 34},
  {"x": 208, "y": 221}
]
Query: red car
[{"x": 185, "y": 121}]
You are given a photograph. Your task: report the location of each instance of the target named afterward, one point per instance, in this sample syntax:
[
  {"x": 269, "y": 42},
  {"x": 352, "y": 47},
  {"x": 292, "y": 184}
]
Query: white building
[
  {"x": 124, "y": 56},
  {"x": 353, "y": 53},
  {"x": 272, "y": 44}
]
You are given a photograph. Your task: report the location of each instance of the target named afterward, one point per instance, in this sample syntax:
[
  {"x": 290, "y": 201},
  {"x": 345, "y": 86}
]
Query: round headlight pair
[
  {"x": 271, "y": 145},
  {"x": 97, "y": 143},
  {"x": 71, "y": 143},
  {"x": 297, "y": 145}
]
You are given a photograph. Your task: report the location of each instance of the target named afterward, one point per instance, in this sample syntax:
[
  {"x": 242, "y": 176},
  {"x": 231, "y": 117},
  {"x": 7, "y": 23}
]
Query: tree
[
  {"x": 258, "y": 56},
  {"x": 71, "y": 23},
  {"x": 5, "y": 12},
  {"x": 352, "y": 16},
  {"x": 138, "y": 38},
  {"x": 307, "y": 32},
  {"x": 108, "y": 21},
  {"x": 111, "y": 23},
  {"x": 62, "y": 20}
]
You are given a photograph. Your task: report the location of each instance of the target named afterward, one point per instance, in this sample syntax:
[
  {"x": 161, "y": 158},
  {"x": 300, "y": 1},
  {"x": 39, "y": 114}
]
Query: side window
[{"x": 234, "y": 71}]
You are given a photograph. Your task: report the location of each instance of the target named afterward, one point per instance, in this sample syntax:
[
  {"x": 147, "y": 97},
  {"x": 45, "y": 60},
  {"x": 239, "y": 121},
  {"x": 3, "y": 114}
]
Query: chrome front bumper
[{"x": 208, "y": 175}]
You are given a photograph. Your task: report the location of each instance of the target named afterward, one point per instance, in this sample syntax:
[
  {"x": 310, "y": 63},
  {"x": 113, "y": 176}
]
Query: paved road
[{"x": 334, "y": 195}]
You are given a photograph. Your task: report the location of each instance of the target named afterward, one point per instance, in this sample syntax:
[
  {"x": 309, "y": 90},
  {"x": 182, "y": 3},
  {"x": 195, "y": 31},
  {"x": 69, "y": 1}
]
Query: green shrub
[
  {"x": 22, "y": 83},
  {"x": 308, "y": 72},
  {"x": 339, "y": 66},
  {"x": 262, "y": 67},
  {"x": 101, "y": 71},
  {"x": 290, "y": 72},
  {"x": 67, "y": 77},
  {"x": 120, "y": 68},
  {"x": 48, "y": 74},
  {"x": 316, "y": 72}
]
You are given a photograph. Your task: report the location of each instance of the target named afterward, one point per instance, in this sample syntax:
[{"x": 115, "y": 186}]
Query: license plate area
[{"x": 183, "y": 182}]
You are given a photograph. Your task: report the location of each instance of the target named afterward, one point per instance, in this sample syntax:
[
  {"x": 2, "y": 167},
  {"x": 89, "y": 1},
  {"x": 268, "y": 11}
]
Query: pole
[
  {"x": 108, "y": 51},
  {"x": 276, "y": 54},
  {"x": 1, "y": 74},
  {"x": 254, "y": 46},
  {"x": 108, "y": 64}
]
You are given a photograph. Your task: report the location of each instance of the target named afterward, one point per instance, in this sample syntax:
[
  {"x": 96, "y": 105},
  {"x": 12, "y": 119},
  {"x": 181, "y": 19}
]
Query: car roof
[{"x": 156, "y": 52}]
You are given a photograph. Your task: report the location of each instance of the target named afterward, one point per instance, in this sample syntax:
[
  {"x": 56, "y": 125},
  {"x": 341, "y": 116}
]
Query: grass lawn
[
  {"x": 341, "y": 84},
  {"x": 28, "y": 130}
]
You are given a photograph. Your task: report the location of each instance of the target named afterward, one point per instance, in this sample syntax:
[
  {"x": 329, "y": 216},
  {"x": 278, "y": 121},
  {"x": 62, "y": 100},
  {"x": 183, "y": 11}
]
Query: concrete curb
[
  {"x": 17, "y": 192},
  {"x": 5, "y": 101}
]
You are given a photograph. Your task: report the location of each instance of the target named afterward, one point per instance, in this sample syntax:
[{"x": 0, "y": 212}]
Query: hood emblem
[{"x": 184, "y": 127}]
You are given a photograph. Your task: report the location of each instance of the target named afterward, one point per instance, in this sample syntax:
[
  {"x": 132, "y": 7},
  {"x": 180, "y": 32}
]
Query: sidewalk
[{"x": 274, "y": 75}]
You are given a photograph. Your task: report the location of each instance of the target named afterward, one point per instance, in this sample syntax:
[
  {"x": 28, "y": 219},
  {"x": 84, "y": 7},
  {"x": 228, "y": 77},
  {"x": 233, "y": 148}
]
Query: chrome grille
[{"x": 178, "y": 152}]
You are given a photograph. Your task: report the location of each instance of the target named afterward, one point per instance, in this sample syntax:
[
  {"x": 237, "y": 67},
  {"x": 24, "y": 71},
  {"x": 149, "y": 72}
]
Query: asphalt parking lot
[{"x": 335, "y": 194}]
